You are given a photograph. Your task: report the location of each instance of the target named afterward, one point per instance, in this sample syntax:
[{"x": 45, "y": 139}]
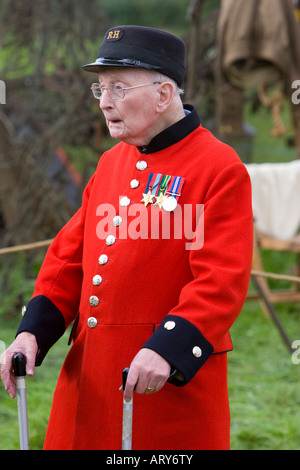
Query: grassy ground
[
  {"x": 40, "y": 390},
  {"x": 263, "y": 382}
]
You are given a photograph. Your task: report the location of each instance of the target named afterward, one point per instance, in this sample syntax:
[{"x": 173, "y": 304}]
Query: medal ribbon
[
  {"x": 156, "y": 185},
  {"x": 153, "y": 184},
  {"x": 149, "y": 183},
  {"x": 164, "y": 184},
  {"x": 176, "y": 187}
]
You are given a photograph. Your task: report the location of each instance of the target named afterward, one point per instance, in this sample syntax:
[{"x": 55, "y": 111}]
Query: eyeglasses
[{"x": 116, "y": 92}]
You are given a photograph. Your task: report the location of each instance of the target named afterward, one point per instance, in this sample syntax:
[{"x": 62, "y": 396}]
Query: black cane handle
[
  {"x": 19, "y": 365},
  {"x": 124, "y": 377}
]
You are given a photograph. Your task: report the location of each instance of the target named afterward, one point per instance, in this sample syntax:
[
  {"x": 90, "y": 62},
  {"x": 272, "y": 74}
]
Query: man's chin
[{"x": 116, "y": 131}]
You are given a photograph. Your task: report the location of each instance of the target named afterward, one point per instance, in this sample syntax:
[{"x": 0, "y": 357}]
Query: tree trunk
[{"x": 31, "y": 208}]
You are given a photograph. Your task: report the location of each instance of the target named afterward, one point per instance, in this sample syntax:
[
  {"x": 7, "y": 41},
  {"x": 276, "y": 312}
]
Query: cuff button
[
  {"x": 169, "y": 325},
  {"x": 23, "y": 311},
  {"x": 197, "y": 352}
]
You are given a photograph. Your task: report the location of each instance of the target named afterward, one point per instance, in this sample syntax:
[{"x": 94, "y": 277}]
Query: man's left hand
[{"x": 148, "y": 373}]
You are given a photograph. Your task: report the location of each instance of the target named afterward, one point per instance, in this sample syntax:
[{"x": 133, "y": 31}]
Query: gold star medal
[
  {"x": 147, "y": 198},
  {"x": 160, "y": 200},
  {"x": 151, "y": 189},
  {"x": 162, "y": 190}
]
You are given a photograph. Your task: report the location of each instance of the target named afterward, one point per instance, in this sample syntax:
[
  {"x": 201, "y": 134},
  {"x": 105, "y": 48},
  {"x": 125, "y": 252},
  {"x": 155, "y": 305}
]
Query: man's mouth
[{"x": 114, "y": 121}]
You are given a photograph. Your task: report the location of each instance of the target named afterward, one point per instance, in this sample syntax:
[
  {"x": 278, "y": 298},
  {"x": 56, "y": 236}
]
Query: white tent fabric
[{"x": 276, "y": 198}]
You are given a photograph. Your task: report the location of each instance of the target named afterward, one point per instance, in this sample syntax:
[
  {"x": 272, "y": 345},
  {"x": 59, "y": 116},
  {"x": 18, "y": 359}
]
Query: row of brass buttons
[{"x": 110, "y": 240}]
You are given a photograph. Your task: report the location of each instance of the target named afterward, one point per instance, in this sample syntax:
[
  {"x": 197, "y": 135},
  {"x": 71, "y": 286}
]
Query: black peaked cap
[{"x": 142, "y": 47}]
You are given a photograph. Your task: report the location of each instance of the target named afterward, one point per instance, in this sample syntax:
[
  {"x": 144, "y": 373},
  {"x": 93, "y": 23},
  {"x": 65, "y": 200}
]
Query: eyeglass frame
[{"x": 96, "y": 86}]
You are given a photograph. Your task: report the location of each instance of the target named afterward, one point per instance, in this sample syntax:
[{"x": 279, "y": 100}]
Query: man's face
[{"x": 132, "y": 119}]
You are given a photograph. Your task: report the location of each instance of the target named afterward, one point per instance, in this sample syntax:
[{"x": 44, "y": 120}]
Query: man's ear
[{"x": 166, "y": 94}]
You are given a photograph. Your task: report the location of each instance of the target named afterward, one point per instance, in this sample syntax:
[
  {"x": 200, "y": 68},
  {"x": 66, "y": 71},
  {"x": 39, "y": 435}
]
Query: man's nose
[{"x": 105, "y": 100}]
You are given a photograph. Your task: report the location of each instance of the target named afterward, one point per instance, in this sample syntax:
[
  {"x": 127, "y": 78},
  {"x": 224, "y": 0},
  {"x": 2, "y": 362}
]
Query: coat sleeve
[
  {"x": 56, "y": 296},
  {"x": 210, "y": 303}
]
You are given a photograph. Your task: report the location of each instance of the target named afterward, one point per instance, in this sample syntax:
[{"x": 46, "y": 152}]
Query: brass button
[
  {"x": 103, "y": 259},
  {"x": 197, "y": 352},
  {"x": 169, "y": 325},
  {"x": 110, "y": 240},
  {"x": 23, "y": 311},
  {"x": 94, "y": 301},
  {"x": 97, "y": 280},
  {"x": 117, "y": 221},
  {"x": 124, "y": 201},
  {"x": 141, "y": 165},
  {"x": 92, "y": 322},
  {"x": 134, "y": 184}
]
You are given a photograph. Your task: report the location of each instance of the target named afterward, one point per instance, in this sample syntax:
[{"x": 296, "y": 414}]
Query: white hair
[
  {"x": 160, "y": 77},
  {"x": 164, "y": 78}
]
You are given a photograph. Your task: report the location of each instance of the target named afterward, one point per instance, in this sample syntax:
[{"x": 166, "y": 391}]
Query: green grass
[
  {"x": 263, "y": 382},
  {"x": 40, "y": 390},
  {"x": 267, "y": 148}
]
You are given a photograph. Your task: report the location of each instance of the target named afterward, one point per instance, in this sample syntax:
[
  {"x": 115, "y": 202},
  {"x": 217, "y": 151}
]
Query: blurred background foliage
[{"x": 50, "y": 127}]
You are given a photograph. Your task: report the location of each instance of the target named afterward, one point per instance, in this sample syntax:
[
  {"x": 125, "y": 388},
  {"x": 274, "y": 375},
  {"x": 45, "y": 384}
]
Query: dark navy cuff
[
  {"x": 182, "y": 345},
  {"x": 44, "y": 320}
]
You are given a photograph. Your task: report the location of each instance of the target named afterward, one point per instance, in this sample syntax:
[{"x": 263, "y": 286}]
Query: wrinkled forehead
[{"x": 123, "y": 74}]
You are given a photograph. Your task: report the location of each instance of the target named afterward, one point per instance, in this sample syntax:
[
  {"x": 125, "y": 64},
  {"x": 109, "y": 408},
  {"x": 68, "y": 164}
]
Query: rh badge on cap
[{"x": 114, "y": 35}]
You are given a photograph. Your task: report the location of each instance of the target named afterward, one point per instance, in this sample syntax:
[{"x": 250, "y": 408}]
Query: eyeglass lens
[{"x": 116, "y": 92}]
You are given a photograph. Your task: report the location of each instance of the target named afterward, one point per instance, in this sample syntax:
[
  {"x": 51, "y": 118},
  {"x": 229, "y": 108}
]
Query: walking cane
[
  {"x": 127, "y": 412},
  {"x": 127, "y": 416},
  {"x": 19, "y": 365}
]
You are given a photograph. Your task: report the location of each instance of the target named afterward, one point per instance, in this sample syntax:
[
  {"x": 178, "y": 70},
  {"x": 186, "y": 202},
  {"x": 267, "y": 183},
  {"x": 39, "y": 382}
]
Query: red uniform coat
[{"x": 151, "y": 289}]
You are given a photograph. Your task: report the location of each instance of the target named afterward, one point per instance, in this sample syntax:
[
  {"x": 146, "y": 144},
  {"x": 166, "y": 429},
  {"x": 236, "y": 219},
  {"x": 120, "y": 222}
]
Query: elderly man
[{"x": 153, "y": 269}]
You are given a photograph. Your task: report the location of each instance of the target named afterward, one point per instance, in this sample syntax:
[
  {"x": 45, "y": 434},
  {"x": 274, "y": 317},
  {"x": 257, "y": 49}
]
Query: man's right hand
[{"x": 26, "y": 344}]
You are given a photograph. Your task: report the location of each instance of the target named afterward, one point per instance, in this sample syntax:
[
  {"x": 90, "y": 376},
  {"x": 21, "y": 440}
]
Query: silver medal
[{"x": 170, "y": 204}]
